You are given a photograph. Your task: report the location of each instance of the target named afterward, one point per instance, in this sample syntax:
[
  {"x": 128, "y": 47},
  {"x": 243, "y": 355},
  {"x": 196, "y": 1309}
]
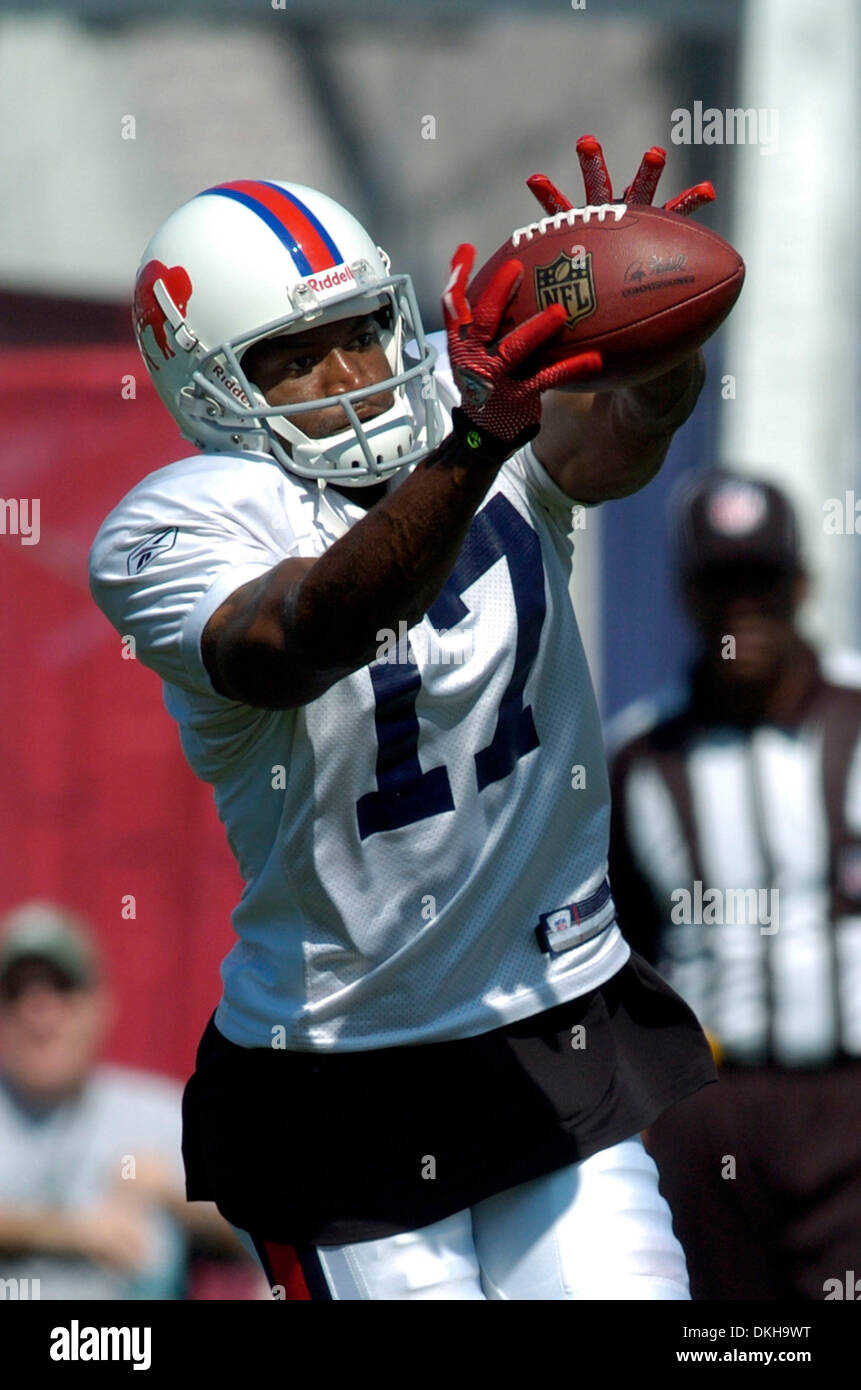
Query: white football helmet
[{"x": 256, "y": 259}]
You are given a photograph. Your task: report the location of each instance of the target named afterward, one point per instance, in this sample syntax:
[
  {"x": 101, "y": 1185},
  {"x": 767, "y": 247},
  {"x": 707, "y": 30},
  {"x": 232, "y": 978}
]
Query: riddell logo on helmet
[
  {"x": 332, "y": 280},
  {"x": 229, "y": 383}
]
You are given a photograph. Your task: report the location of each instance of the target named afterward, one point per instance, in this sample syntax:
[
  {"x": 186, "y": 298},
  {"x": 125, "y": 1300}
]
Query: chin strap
[{"x": 335, "y": 522}]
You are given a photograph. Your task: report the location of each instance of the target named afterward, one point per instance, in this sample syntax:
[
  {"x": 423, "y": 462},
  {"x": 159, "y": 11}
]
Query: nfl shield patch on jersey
[{"x": 570, "y": 925}]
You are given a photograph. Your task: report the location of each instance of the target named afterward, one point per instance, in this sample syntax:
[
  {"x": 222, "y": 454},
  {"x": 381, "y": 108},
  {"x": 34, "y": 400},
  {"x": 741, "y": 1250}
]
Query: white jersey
[{"x": 409, "y": 839}]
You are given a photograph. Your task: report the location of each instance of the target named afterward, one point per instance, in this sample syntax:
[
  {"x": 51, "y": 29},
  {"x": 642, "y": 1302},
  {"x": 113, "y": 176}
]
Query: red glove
[
  {"x": 499, "y": 411},
  {"x": 599, "y": 190}
]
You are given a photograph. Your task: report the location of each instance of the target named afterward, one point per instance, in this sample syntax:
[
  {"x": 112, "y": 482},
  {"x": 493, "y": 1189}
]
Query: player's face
[
  {"x": 323, "y": 361},
  {"x": 753, "y": 604}
]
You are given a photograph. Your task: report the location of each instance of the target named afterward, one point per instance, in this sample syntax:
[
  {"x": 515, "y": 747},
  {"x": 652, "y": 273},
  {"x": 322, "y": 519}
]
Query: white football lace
[{"x": 570, "y": 215}]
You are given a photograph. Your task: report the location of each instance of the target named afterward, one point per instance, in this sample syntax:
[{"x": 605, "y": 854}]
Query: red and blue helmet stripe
[{"x": 292, "y": 221}]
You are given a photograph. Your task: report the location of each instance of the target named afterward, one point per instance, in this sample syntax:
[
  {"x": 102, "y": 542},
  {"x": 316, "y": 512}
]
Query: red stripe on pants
[{"x": 286, "y": 1270}]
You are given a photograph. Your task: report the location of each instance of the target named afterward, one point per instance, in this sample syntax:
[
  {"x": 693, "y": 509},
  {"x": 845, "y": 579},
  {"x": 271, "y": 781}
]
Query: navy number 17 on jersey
[{"x": 404, "y": 792}]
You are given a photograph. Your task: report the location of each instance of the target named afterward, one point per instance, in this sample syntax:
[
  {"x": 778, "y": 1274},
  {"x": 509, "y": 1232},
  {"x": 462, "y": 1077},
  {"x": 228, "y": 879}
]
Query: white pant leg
[
  {"x": 599, "y": 1229},
  {"x": 436, "y": 1262}
]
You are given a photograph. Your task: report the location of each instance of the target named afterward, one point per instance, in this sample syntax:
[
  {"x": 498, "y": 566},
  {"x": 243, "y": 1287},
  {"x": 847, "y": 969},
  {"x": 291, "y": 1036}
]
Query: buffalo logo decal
[
  {"x": 567, "y": 281},
  {"x": 148, "y": 313}
]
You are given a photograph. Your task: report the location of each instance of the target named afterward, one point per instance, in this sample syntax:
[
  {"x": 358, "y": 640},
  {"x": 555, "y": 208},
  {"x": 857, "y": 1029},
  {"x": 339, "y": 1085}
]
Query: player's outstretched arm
[
  {"x": 610, "y": 444},
  {"x": 283, "y": 639}
]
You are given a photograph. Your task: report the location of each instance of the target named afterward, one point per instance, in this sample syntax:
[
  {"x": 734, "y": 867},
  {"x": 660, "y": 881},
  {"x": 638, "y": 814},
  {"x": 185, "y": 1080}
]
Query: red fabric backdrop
[{"x": 96, "y": 800}]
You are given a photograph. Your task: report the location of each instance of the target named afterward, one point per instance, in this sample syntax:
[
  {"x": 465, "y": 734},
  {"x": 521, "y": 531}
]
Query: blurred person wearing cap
[
  {"x": 92, "y": 1193},
  {"x": 735, "y": 864}
]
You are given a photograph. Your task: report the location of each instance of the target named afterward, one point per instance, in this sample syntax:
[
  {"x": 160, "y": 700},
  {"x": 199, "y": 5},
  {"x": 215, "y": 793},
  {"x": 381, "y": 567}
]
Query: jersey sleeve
[
  {"x": 169, "y": 556},
  {"x": 540, "y": 486}
]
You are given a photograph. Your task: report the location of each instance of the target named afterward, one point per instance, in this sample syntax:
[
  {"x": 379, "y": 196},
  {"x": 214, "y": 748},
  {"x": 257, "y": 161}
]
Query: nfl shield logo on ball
[{"x": 568, "y": 281}]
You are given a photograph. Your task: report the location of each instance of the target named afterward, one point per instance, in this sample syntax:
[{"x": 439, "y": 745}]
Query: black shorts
[{"x": 333, "y": 1148}]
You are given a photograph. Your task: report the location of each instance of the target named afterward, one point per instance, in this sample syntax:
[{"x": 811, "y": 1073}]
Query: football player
[{"x": 434, "y": 1051}]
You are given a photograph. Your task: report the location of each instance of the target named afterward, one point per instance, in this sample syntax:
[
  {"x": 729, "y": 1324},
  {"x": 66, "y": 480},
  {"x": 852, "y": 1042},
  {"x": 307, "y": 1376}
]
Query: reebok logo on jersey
[{"x": 151, "y": 546}]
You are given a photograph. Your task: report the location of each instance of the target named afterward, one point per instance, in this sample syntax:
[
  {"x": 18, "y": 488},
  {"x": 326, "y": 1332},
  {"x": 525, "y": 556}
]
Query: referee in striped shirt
[{"x": 735, "y": 864}]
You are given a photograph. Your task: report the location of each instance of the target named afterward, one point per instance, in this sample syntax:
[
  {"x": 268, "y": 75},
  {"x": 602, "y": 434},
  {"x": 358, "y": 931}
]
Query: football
[{"x": 642, "y": 286}]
